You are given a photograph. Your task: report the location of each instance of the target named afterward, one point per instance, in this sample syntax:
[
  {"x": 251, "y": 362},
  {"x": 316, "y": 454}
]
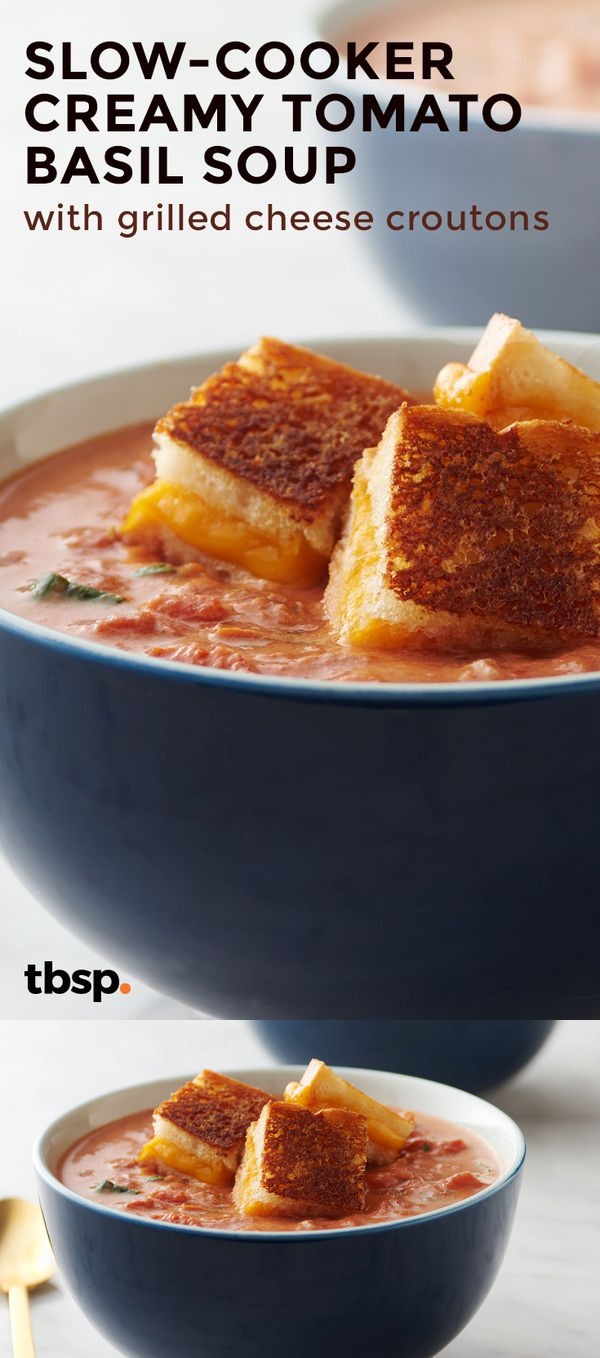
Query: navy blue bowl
[
  {"x": 474, "y": 1054},
  {"x": 262, "y": 847},
  {"x": 153, "y": 1289}
]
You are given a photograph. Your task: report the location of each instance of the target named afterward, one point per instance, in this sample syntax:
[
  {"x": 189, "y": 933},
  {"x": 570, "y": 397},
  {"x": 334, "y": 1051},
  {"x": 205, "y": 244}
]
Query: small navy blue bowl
[
  {"x": 263, "y": 847},
  {"x": 474, "y": 1054},
  {"x": 152, "y": 1288}
]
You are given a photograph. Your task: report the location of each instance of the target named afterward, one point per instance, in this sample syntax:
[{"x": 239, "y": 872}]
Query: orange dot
[{"x": 125, "y": 988}]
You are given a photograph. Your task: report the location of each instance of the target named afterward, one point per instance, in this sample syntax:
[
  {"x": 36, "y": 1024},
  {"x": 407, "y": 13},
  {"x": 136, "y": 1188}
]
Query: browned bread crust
[
  {"x": 214, "y": 1109},
  {"x": 289, "y": 422},
  {"x": 496, "y": 524},
  {"x": 315, "y": 1158},
  {"x": 320, "y": 1087},
  {"x": 512, "y": 376}
]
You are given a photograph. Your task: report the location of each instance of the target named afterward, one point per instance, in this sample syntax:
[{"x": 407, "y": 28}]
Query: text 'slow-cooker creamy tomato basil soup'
[
  {"x": 303, "y": 519},
  {"x": 540, "y": 51}
]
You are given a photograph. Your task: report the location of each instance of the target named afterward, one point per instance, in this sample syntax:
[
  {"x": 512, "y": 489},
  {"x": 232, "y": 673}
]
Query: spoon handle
[{"x": 20, "y": 1323}]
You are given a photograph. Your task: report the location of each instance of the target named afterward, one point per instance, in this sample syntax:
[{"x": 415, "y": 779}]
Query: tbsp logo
[{"x": 51, "y": 980}]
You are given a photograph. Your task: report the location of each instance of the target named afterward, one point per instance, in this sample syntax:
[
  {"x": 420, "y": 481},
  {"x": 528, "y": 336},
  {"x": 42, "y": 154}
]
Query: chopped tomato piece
[{"x": 464, "y": 1180}]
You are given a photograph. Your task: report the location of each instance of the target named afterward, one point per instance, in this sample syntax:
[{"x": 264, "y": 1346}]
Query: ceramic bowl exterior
[
  {"x": 152, "y": 1288},
  {"x": 260, "y": 847}
]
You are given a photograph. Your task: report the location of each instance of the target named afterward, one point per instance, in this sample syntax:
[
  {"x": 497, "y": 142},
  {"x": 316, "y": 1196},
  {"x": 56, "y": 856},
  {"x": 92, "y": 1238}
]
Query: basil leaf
[
  {"x": 51, "y": 583},
  {"x": 107, "y": 1186},
  {"x": 157, "y": 568}
]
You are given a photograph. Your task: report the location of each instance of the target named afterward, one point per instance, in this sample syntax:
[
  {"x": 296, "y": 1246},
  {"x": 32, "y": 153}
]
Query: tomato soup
[
  {"x": 544, "y": 52},
  {"x": 440, "y": 1165},
  {"x": 61, "y": 516}
]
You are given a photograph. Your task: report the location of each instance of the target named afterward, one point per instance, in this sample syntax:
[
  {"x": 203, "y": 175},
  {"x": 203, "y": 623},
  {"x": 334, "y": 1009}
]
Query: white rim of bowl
[{"x": 239, "y": 1072}]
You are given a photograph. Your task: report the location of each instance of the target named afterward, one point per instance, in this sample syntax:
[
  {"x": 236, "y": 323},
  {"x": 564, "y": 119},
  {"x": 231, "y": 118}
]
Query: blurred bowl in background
[
  {"x": 474, "y": 1054},
  {"x": 548, "y": 163}
]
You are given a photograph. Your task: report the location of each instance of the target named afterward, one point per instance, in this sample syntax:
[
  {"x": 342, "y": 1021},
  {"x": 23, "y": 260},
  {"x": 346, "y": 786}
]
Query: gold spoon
[{"x": 26, "y": 1260}]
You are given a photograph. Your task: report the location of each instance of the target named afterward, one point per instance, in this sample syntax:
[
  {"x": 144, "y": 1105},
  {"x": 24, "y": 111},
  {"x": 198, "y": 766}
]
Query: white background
[
  {"x": 76, "y": 304},
  {"x": 545, "y": 1303}
]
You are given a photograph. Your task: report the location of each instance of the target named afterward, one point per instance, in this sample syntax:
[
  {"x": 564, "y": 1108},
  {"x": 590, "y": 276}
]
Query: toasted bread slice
[
  {"x": 302, "y": 1164},
  {"x": 256, "y": 467},
  {"x": 511, "y": 376},
  {"x": 200, "y": 1130},
  {"x": 461, "y": 536},
  {"x": 387, "y": 1128}
]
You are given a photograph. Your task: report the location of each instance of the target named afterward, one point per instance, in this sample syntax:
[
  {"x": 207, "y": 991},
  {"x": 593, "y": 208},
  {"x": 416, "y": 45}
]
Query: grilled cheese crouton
[
  {"x": 302, "y": 1164},
  {"x": 460, "y": 535},
  {"x": 387, "y": 1128},
  {"x": 511, "y": 376},
  {"x": 200, "y": 1130},
  {"x": 256, "y": 467}
]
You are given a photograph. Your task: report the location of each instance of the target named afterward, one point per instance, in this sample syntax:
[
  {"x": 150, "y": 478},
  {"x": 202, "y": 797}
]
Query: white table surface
[
  {"x": 75, "y": 305},
  {"x": 31, "y": 935},
  {"x": 546, "y": 1302}
]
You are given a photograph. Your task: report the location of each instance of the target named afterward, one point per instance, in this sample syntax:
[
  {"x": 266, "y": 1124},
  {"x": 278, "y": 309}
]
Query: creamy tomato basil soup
[
  {"x": 542, "y": 51},
  {"x": 440, "y": 1165},
  {"x": 60, "y": 518}
]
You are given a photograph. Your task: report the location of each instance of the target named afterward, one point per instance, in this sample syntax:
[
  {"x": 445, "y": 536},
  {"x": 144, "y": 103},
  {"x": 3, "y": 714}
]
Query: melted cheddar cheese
[
  {"x": 183, "y": 1162},
  {"x": 200, "y": 526}
]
